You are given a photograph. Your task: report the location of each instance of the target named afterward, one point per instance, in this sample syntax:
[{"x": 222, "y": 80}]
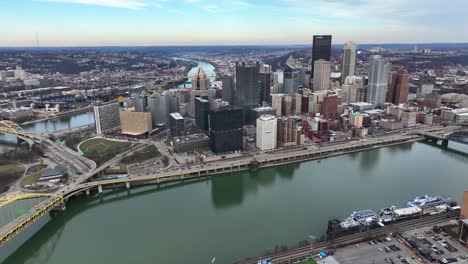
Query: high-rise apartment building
[
  {"x": 398, "y": 88},
  {"x": 329, "y": 107},
  {"x": 266, "y": 132},
  {"x": 348, "y": 60},
  {"x": 321, "y": 50},
  {"x": 286, "y": 131},
  {"x": 378, "y": 80},
  {"x": 265, "y": 83},
  {"x": 107, "y": 118},
  {"x": 322, "y": 70}
]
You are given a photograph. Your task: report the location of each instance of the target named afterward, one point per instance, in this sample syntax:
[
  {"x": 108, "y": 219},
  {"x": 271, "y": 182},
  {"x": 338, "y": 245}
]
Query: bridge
[{"x": 9, "y": 127}]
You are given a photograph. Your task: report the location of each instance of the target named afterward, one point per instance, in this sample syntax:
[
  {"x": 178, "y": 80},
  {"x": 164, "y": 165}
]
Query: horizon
[
  {"x": 236, "y": 45},
  {"x": 97, "y": 23}
]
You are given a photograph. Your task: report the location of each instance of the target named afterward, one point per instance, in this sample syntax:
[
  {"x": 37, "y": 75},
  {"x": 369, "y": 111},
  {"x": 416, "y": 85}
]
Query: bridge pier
[
  {"x": 100, "y": 188},
  {"x": 445, "y": 142}
]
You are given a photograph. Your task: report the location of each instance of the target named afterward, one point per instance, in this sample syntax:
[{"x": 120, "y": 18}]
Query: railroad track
[{"x": 355, "y": 238}]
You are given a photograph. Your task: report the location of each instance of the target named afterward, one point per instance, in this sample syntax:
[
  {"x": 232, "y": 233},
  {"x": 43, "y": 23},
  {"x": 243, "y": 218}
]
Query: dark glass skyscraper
[
  {"x": 247, "y": 93},
  {"x": 225, "y": 124},
  {"x": 321, "y": 49}
]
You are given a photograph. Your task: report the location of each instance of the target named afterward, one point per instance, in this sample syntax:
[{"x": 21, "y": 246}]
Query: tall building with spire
[
  {"x": 348, "y": 61},
  {"x": 321, "y": 49},
  {"x": 377, "y": 86},
  {"x": 200, "y": 87}
]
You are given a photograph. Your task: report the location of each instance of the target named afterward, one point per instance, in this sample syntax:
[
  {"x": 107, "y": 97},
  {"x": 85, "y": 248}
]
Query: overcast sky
[{"x": 229, "y": 22}]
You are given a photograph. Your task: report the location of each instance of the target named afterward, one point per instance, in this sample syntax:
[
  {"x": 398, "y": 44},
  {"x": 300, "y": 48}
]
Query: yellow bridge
[
  {"x": 9, "y": 127},
  {"x": 51, "y": 201}
]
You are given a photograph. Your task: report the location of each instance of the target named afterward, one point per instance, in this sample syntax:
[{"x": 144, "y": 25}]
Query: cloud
[
  {"x": 210, "y": 8},
  {"x": 191, "y": 1},
  {"x": 129, "y": 4}
]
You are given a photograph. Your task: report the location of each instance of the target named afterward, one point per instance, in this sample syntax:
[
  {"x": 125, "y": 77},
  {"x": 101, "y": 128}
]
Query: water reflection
[
  {"x": 369, "y": 159},
  {"x": 40, "y": 252},
  {"x": 230, "y": 190}
]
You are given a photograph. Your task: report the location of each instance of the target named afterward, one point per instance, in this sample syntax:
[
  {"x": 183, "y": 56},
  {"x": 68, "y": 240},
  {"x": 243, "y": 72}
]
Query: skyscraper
[
  {"x": 247, "y": 93},
  {"x": 329, "y": 107},
  {"x": 107, "y": 118},
  {"x": 291, "y": 80},
  {"x": 426, "y": 84},
  {"x": 200, "y": 86},
  {"x": 228, "y": 88},
  {"x": 266, "y": 132},
  {"x": 321, "y": 49},
  {"x": 176, "y": 124},
  {"x": 202, "y": 107},
  {"x": 322, "y": 70},
  {"x": 398, "y": 88},
  {"x": 378, "y": 80},
  {"x": 140, "y": 103},
  {"x": 225, "y": 125},
  {"x": 348, "y": 61},
  {"x": 265, "y": 83},
  {"x": 286, "y": 131},
  {"x": 352, "y": 89}
]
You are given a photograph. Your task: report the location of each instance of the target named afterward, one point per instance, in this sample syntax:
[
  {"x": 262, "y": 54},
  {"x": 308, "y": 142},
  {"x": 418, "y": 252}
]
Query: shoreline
[{"x": 59, "y": 115}]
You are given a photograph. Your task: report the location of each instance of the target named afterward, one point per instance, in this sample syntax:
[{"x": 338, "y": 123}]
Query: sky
[{"x": 228, "y": 22}]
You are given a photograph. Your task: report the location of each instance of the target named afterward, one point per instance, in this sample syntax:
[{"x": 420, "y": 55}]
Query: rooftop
[
  {"x": 56, "y": 171},
  {"x": 191, "y": 138},
  {"x": 177, "y": 116},
  {"x": 267, "y": 117},
  {"x": 361, "y": 104}
]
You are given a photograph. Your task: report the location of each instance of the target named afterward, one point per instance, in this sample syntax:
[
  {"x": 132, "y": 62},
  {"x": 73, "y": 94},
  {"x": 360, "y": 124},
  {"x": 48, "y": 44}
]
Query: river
[
  {"x": 207, "y": 67},
  {"x": 238, "y": 215},
  {"x": 61, "y": 123}
]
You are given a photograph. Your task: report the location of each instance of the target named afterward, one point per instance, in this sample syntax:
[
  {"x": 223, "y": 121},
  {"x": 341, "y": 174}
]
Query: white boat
[
  {"x": 386, "y": 214},
  {"x": 349, "y": 223},
  {"x": 428, "y": 203}
]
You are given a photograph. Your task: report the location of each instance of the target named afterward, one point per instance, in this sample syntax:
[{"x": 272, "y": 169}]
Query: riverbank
[{"x": 60, "y": 114}]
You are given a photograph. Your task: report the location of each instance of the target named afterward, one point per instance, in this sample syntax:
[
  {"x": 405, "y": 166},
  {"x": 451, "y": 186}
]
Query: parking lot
[
  {"x": 436, "y": 245},
  {"x": 384, "y": 250}
]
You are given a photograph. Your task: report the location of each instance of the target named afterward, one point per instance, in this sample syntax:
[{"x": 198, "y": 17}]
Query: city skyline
[{"x": 228, "y": 22}]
